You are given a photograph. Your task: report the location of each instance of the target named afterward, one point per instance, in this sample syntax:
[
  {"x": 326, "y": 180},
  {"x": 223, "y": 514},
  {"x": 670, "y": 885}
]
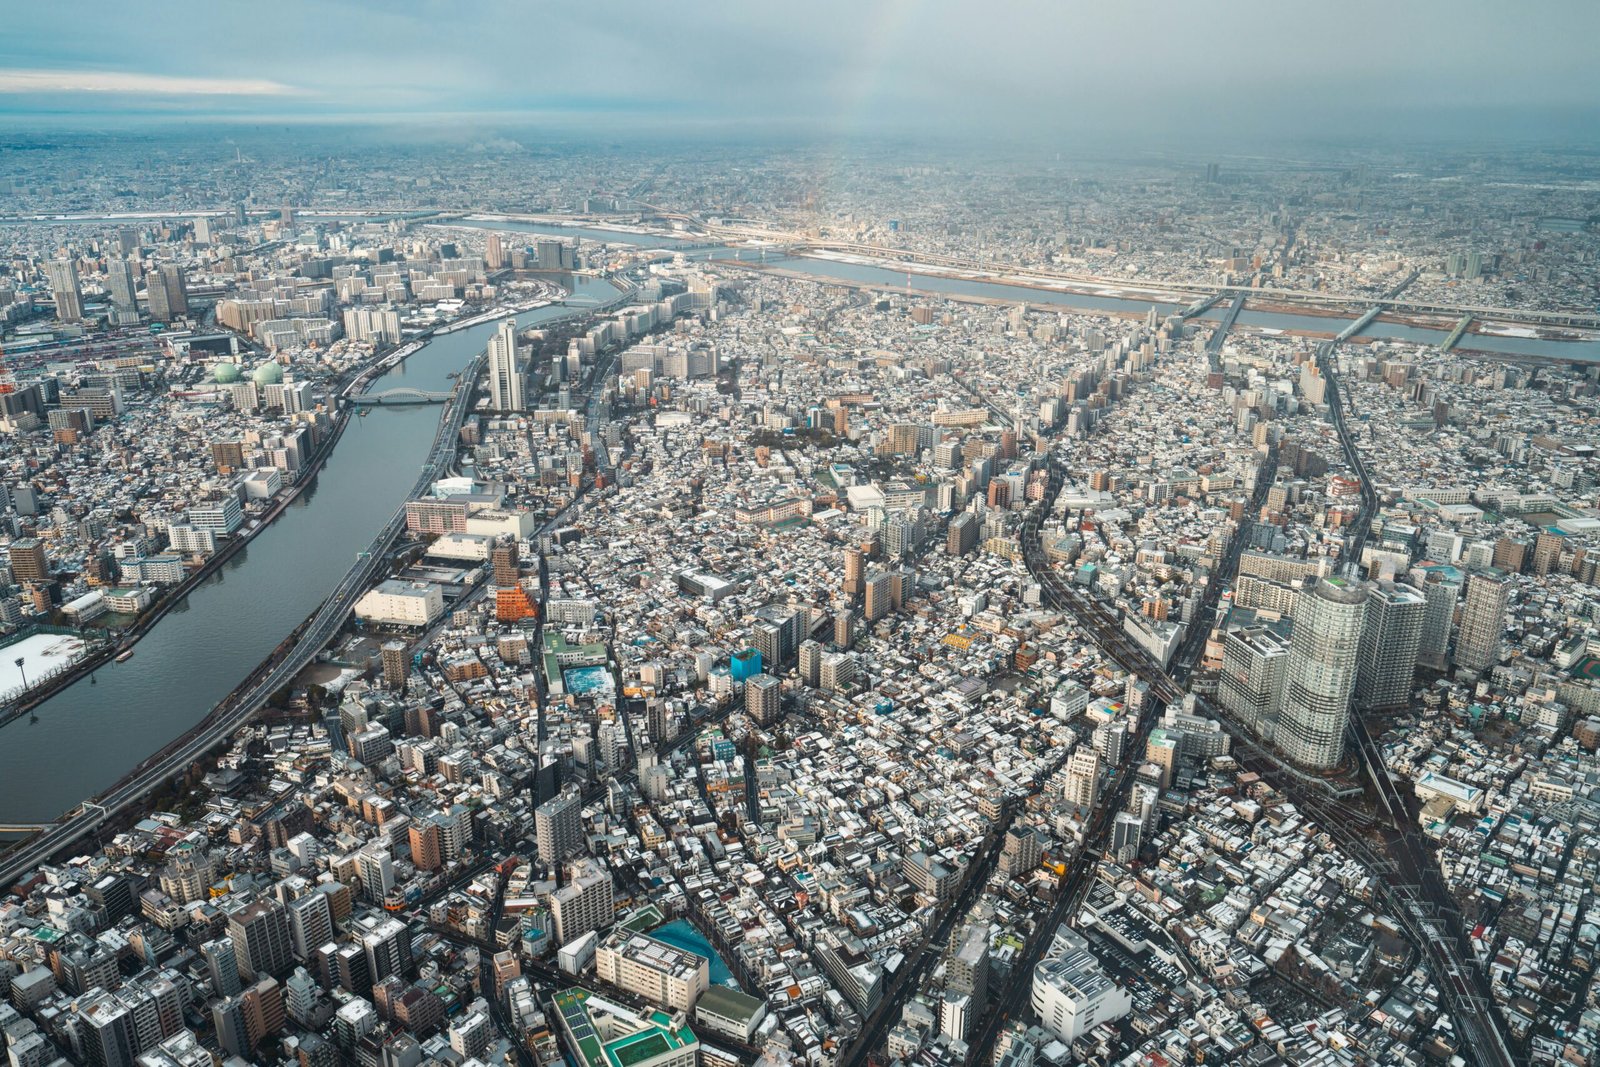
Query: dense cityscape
[{"x": 545, "y": 600}]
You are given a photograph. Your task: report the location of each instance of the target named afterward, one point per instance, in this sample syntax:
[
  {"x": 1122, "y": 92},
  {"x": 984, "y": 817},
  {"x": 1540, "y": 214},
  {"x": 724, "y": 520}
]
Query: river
[
  {"x": 91, "y": 733},
  {"x": 831, "y": 270}
]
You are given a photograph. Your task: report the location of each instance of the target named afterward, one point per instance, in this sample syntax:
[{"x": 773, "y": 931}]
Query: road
[{"x": 1417, "y": 891}]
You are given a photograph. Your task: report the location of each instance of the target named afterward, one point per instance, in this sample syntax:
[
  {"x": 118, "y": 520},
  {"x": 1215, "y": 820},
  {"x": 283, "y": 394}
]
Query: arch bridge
[{"x": 401, "y": 395}]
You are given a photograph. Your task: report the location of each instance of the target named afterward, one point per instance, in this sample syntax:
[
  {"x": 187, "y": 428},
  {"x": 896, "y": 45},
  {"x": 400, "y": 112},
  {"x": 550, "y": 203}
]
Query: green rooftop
[
  {"x": 643, "y": 920},
  {"x": 646, "y": 1038}
]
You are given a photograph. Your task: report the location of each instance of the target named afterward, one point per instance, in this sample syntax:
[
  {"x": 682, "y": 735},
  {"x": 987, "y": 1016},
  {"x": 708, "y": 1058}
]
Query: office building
[
  {"x": 28, "y": 560},
  {"x": 424, "y": 840},
  {"x": 962, "y": 535},
  {"x": 1083, "y": 779},
  {"x": 386, "y": 943},
  {"x": 930, "y": 875},
  {"x": 1250, "y": 685},
  {"x": 844, "y": 625},
  {"x": 854, "y": 566},
  {"x": 776, "y": 634},
  {"x": 1441, "y": 594},
  {"x": 222, "y": 966},
  {"x": 396, "y": 659},
  {"x": 310, "y": 924},
  {"x": 880, "y": 595},
  {"x": 966, "y": 971},
  {"x": 109, "y": 1037},
  {"x": 503, "y": 558},
  {"x": 1391, "y": 637},
  {"x": 838, "y": 670},
  {"x": 1547, "y": 550},
  {"x": 168, "y": 293},
  {"x": 1021, "y": 852},
  {"x": 375, "y": 867},
  {"x": 811, "y": 662},
  {"x": 506, "y": 379},
  {"x": 1320, "y": 676},
  {"x": 242, "y": 1022},
  {"x": 1483, "y": 622},
  {"x": 1127, "y": 831},
  {"x": 124, "y": 292}
]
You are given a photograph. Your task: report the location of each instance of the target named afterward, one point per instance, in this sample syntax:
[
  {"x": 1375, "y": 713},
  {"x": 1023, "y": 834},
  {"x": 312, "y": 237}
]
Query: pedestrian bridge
[{"x": 401, "y": 395}]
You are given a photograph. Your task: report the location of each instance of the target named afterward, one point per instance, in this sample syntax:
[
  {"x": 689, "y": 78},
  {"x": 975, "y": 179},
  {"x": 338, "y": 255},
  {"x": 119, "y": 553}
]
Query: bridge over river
[{"x": 404, "y": 394}]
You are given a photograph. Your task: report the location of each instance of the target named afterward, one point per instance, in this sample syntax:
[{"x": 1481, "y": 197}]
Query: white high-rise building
[
  {"x": 506, "y": 386},
  {"x": 1483, "y": 622},
  {"x": 1083, "y": 778},
  {"x": 124, "y": 293},
  {"x": 64, "y": 287},
  {"x": 1320, "y": 677},
  {"x": 585, "y": 902},
  {"x": 1441, "y": 595}
]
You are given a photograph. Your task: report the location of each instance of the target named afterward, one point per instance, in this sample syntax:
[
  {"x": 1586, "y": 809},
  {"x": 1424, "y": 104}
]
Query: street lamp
[{"x": 19, "y": 661}]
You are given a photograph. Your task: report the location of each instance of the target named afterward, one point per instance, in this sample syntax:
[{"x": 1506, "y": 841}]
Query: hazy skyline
[{"x": 1018, "y": 69}]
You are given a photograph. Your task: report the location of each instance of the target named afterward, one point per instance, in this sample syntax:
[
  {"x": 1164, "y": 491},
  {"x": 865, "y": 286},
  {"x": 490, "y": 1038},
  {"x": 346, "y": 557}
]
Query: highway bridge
[
  {"x": 1220, "y": 334},
  {"x": 1200, "y": 307}
]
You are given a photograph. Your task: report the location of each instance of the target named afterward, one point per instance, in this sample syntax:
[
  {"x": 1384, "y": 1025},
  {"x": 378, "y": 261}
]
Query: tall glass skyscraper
[{"x": 1324, "y": 654}]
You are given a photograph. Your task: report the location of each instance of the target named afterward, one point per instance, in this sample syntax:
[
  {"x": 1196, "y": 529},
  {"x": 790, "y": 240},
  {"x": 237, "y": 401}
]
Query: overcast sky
[{"x": 1040, "y": 69}]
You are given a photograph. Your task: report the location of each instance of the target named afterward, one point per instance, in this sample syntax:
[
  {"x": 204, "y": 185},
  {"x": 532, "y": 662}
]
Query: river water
[
  {"x": 829, "y": 270},
  {"x": 90, "y": 734}
]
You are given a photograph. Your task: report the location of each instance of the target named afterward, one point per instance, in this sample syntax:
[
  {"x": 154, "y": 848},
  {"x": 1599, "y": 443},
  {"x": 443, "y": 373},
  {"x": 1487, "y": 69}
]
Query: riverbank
[
  {"x": 354, "y": 380},
  {"x": 85, "y": 736}
]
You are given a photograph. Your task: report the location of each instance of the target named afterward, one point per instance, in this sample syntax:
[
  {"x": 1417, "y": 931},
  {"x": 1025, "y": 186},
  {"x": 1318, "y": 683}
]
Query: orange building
[{"x": 513, "y": 605}]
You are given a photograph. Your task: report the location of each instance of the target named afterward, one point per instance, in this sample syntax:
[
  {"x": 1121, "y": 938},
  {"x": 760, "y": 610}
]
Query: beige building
[{"x": 661, "y": 973}]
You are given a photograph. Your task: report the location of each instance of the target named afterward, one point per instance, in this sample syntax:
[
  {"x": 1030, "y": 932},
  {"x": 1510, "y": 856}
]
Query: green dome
[
  {"x": 268, "y": 374},
  {"x": 225, "y": 373}
]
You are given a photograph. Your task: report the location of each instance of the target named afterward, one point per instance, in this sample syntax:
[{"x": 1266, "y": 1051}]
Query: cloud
[{"x": 106, "y": 81}]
